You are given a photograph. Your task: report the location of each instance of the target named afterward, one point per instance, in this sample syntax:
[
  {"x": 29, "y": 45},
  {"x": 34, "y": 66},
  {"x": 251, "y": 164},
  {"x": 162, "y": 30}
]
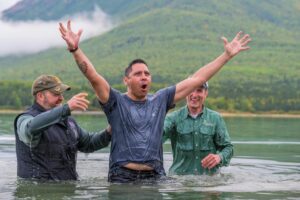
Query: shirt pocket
[
  {"x": 206, "y": 138},
  {"x": 185, "y": 141}
]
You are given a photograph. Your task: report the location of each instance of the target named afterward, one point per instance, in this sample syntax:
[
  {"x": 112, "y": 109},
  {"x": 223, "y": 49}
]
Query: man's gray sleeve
[
  {"x": 30, "y": 128},
  {"x": 89, "y": 142}
]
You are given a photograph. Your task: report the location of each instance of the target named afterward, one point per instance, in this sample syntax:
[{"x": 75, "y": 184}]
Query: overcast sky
[{"x": 34, "y": 36}]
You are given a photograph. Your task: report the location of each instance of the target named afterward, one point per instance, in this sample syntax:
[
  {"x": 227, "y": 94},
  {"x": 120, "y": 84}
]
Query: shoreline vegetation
[{"x": 224, "y": 114}]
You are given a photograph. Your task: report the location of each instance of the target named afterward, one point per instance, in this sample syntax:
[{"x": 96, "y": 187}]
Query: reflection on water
[
  {"x": 129, "y": 191},
  {"x": 44, "y": 190},
  {"x": 245, "y": 176}
]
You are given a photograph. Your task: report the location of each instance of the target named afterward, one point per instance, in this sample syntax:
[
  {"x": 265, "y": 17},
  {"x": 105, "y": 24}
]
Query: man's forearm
[
  {"x": 100, "y": 85},
  {"x": 188, "y": 85},
  {"x": 102, "y": 139},
  {"x": 84, "y": 64},
  {"x": 226, "y": 155},
  {"x": 210, "y": 69},
  {"x": 90, "y": 142}
]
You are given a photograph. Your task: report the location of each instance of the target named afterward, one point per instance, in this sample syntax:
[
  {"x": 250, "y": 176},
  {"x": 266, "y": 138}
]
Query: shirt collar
[
  {"x": 38, "y": 107},
  {"x": 186, "y": 113}
]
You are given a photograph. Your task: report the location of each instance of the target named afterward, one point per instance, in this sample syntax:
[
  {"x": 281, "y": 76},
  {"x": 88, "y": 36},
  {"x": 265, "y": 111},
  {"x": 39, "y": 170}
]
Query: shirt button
[
  {"x": 196, "y": 145},
  {"x": 197, "y": 157}
]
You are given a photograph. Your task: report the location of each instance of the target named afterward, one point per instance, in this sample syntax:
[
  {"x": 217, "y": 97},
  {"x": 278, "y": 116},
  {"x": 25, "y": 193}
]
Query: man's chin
[
  {"x": 142, "y": 96},
  {"x": 194, "y": 105},
  {"x": 144, "y": 93}
]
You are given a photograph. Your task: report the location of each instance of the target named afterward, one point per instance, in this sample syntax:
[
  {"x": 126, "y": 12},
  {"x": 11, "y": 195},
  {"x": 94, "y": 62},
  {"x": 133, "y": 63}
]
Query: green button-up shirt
[{"x": 192, "y": 139}]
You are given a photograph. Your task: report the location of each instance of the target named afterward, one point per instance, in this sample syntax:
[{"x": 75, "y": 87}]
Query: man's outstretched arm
[
  {"x": 238, "y": 44},
  {"x": 100, "y": 85}
]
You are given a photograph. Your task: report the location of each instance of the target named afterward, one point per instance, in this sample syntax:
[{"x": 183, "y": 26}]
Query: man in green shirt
[
  {"x": 48, "y": 138},
  {"x": 199, "y": 137}
]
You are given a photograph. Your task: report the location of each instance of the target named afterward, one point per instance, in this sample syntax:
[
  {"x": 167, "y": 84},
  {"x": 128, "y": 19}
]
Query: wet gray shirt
[{"x": 137, "y": 127}]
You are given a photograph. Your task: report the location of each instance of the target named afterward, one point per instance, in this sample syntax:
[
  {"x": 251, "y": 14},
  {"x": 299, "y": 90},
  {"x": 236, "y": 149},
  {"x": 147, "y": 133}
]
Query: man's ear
[
  {"x": 206, "y": 92},
  {"x": 39, "y": 96},
  {"x": 125, "y": 80}
]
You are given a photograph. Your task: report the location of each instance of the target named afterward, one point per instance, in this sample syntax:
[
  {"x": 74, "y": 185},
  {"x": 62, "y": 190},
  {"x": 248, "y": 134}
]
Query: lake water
[{"x": 266, "y": 165}]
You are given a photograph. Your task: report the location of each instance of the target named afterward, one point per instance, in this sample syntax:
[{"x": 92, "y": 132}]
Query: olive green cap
[{"x": 48, "y": 82}]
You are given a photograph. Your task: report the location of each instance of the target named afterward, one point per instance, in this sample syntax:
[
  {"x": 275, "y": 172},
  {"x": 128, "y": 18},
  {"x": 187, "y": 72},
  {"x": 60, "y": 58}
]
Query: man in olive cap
[
  {"x": 199, "y": 137},
  {"x": 47, "y": 138}
]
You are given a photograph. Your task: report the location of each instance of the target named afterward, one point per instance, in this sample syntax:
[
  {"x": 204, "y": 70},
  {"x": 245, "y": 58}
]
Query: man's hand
[
  {"x": 238, "y": 44},
  {"x": 210, "y": 161},
  {"x": 78, "y": 102},
  {"x": 108, "y": 129},
  {"x": 71, "y": 38}
]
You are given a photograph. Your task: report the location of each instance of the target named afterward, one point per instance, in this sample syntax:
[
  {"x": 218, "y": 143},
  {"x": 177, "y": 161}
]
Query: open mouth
[
  {"x": 144, "y": 86},
  {"x": 58, "y": 102}
]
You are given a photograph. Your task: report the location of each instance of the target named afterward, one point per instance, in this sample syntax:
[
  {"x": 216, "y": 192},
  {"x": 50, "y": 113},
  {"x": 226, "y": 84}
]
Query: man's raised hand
[
  {"x": 238, "y": 44},
  {"x": 71, "y": 38}
]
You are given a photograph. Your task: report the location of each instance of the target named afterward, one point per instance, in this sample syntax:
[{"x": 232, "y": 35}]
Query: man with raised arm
[{"x": 136, "y": 117}]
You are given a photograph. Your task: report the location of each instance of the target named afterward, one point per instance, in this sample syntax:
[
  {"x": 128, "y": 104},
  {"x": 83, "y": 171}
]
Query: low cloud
[
  {"x": 34, "y": 36},
  {"x": 4, "y": 4}
]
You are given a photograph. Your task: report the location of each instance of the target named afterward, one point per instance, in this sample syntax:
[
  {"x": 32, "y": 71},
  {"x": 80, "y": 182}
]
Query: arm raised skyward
[
  {"x": 100, "y": 85},
  {"x": 238, "y": 44}
]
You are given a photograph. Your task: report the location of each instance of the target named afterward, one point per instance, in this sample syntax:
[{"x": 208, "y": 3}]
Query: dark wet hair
[{"x": 135, "y": 61}]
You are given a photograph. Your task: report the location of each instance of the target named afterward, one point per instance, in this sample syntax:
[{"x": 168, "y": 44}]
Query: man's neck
[
  {"x": 195, "y": 111},
  {"x": 134, "y": 98},
  {"x": 42, "y": 105}
]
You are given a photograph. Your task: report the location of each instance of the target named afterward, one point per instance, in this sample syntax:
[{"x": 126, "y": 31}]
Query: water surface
[{"x": 266, "y": 165}]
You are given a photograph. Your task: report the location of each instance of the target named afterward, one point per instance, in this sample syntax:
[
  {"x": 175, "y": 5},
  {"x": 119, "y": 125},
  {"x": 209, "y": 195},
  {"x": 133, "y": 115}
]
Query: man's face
[
  {"x": 49, "y": 100},
  {"x": 196, "y": 98},
  {"x": 138, "y": 81}
]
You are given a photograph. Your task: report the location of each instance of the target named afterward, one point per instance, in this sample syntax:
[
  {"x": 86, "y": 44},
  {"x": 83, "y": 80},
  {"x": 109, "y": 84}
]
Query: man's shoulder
[
  {"x": 25, "y": 114},
  {"x": 163, "y": 93},
  {"x": 115, "y": 91},
  {"x": 212, "y": 112},
  {"x": 181, "y": 112},
  {"x": 169, "y": 89},
  {"x": 114, "y": 95},
  {"x": 22, "y": 116}
]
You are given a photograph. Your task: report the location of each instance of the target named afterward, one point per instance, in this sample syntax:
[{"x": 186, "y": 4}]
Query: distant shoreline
[
  {"x": 272, "y": 115},
  {"x": 224, "y": 114},
  {"x": 73, "y": 113}
]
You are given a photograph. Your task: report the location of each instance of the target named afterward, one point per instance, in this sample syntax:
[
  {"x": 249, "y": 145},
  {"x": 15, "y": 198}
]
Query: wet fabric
[
  {"x": 192, "y": 139},
  {"x": 124, "y": 175},
  {"x": 137, "y": 128},
  {"x": 52, "y": 144}
]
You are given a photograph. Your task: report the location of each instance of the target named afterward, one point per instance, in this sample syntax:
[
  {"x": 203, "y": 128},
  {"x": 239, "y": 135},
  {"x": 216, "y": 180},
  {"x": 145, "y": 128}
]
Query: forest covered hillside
[{"x": 175, "y": 38}]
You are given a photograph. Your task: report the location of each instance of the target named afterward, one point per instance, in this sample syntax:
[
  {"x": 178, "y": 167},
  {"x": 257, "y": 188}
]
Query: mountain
[
  {"x": 176, "y": 38},
  {"x": 56, "y": 9}
]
